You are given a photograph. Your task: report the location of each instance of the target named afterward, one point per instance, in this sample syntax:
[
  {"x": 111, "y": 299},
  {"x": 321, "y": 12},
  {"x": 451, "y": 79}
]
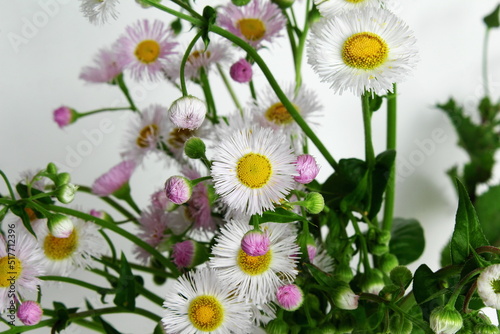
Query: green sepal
[
  {"x": 408, "y": 240},
  {"x": 125, "y": 290},
  {"x": 493, "y": 20},
  {"x": 375, "y": 102},
  {"x": 467, "y": 234},
  {"x": 176, "y": 26}
]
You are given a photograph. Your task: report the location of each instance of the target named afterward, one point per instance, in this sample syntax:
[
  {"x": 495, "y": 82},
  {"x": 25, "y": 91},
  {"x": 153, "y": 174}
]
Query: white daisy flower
[
  {"x": 64, "y": 255},
  {"x": 20, "y": 265},
  {"x": 360, "y": 50},
  {"x": 268, "y": 110},
  {"x": 330, "y": 8},
  {"x": 253, "y": 169},
  {"x": 146, "y": 132},
  {"x": 199, "y": 303},
  {"x": 99, "y": 11},
  {"x": 488, "y": 286},
  {"x": 256, "y": 277}
]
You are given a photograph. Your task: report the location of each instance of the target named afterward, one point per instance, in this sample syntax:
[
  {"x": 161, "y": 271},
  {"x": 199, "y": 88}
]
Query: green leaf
[
  {"x": 22, "y": 190},
  {"x": 467, "y": 234},
  {"x": 375, "y": 102},
  {"x": 425, "y": 285},
  {"x": 280, "y": 215},
  {"x": 176, "y": 26},
  {"x": 19, "y": 210},
  {"x": 3, "y": 212},
  {"x": 125, "y": 291},
  {"x": 210, "y": 15},
  {"x": 407, "y": 241},
  {"x": 381, "y": 172},
  {"x": 346, "y": 189},
  {"x": 62, "y": 315},
  {"x": 324, "y": 279},
  {"x": 493, "y": 20},
  {"x": 489, "y": 214}
]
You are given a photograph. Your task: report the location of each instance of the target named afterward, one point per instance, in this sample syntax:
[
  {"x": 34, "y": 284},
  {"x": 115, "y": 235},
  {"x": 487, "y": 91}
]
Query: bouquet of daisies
[{"x": 244, "y": 238}]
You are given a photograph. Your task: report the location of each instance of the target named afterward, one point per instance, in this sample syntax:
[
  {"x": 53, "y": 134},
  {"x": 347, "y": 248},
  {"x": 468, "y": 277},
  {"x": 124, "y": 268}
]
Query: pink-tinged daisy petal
[
  {"x": 114, "y": 179},
  {"x": 258, "y": 22},
  {"x": 105, "y": 68},
  {"x": 145, "y": 49}
]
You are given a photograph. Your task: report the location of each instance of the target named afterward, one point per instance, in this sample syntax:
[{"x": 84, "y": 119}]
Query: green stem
[
  {"x": 82, "y": 114},
  {"x": 123, "y": 87},
  {"x": 77, "y": 282},
  {"x": 390, "y": 190},
  {"x": 9, "y": 187},
  {"x": 300, "y": 50},
  {"x": 362, "y": 241},
  {"x": 252, "y": 90},
  {"x": 205, "y": 84},
  {"x": 184, "y": 60},
  {"x": 279, "y": 92},
  {"x": 229, "y": 88},
  {"x": 115, "y": 205},
  {"x": 485, "y": 63},
  {"x": 367, "y": 122},
  {"x": 181, "y": 4},
  {"x": 127, "y": 197},
  {"x": 107, "y": 261},
  {"x": 115, "y": 228}
]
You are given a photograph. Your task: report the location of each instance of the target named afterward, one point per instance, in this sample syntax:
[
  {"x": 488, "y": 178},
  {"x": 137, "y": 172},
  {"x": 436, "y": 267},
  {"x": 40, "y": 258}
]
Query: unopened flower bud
[
  {"x": 195, "y": 148},
  {"x": 344, "y": 272},
  {"x": 277, "y": 326},
  {"x": 255, "y": 243},
  {"x": 307, "y": 168},
  {"x": 372, "y": 282},
  {"x": 240, "y": 2},
  {"x": 187, "y": 112},
  {"x": 51, "y": 168},
  {"x": 400, "y": 325},
  {"x": 241, "y": 71},
  {"x": 60, "y": 226},
  {"x": 445, "y": 320},
  {"x": 64, "y": 116},
  {"x": 343, "y": 297},
  {"x": 188, "y": 254},
  {"x": 66, "y": 193},
  {"x": 315, "y": 203},
  {"x": 290, "y": 297},
  {"x": 401, "y": 276},
  {"x": 62, "y": 178},
  {"x": 29, "y": 312},
  {"x": 102, "y": 215},
  {"x": 178, "y": 189},
  {"x": 486, "y": 329},
  {"x": 388, "y": 262}
]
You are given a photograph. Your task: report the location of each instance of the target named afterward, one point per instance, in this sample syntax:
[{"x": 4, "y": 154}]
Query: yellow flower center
[
  {"x": 254, "y": 265},
  {"x": 278, "y": 114},
  {"x": 365, "y": 50},
  {"x": 60, "y": 248},
  {"x": 354, "y": 1},
  {"x": 197, "y": 54},
  {"x": 177, "y": 137},
  {"x": 10, "y": 269},
  {"x": 147, "y": 51},
  {"x": 145, "y": 134},
  {"x": 206, "y": 313},
  {"x": 254, "y": 170},
  {"x": 252, "y": 29}
]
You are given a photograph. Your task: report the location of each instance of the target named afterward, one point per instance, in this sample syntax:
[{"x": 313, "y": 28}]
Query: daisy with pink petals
[
  {"x": 217, "y": 52},
  {"x": 20, "y": 266},
  {"x": 257, "y": 22},
  {"x": 116, "y": 178},
  {"x": 145, "y": 49},
  {"x": 105, "y": 68},
  {"x": 145, "y": 133}
]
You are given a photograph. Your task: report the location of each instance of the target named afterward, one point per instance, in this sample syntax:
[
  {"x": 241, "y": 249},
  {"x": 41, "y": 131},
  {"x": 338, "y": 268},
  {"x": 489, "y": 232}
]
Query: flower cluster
[{"x": 245, "y": 232}]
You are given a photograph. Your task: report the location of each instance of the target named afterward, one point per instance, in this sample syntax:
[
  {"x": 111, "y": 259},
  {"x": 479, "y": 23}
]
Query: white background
[{"x": 40, "y": 72}]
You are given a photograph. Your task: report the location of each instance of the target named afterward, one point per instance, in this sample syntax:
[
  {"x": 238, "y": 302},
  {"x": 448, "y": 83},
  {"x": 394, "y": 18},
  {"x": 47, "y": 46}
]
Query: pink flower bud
[
  {"x": 30, "y": 313},
  {"x": 289, "y": 297},
  {"x": 241, "y": 71},
  {"x": 188, "y": 112},
  {"x": 178, "y": 189},
  {"x": 64, "y": 116},
  {"x": 307, "y": 168},
  {"x": 255, "y": 243}
]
